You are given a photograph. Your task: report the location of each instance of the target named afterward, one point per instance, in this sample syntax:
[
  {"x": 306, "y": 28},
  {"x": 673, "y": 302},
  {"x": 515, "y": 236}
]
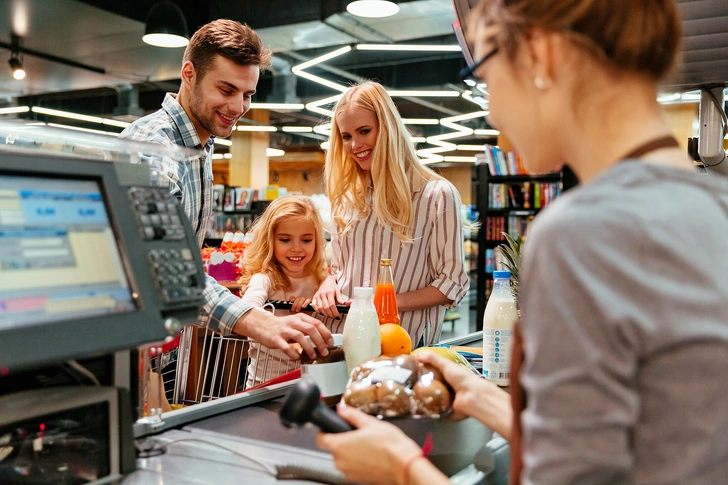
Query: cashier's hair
[
  {"x": 628, "y": 36},
  {"x": 230, "y": 39},
  {"x": 396, "y": 171},
  {"x": 259, "y": 257}
]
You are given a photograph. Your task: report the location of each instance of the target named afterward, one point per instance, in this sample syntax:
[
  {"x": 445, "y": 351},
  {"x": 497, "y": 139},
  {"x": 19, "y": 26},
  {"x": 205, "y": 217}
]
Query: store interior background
[{"x": 101, "y": 68}]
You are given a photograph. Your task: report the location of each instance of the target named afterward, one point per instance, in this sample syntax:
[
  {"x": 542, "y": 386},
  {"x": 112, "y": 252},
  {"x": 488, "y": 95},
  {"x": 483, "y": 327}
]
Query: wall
[{"x": 461, "y": 177}]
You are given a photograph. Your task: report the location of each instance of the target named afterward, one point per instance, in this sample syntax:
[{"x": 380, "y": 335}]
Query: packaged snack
[{"x": 399, "y": 386}]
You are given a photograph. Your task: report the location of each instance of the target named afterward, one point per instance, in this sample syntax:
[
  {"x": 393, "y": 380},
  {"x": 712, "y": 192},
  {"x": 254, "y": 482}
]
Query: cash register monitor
[
  {"x": 58, "y": 254},
  {"x": 93, "y": 259}
]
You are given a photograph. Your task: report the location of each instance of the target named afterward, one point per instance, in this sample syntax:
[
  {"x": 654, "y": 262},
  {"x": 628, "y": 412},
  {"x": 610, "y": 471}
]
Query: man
[{"x": 220, "y": 71}]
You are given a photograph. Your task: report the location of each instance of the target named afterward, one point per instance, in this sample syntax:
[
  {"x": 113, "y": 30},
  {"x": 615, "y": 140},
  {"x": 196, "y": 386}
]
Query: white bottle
[
  {"x": 362, "y": 340},
  {"x": 498, "y": 321}
]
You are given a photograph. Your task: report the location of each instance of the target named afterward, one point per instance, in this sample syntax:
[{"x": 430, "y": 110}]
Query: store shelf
[{"x": 523, "y": 178}]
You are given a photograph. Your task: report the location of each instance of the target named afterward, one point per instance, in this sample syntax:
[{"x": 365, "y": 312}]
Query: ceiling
[{"x": 105, "y": 35}]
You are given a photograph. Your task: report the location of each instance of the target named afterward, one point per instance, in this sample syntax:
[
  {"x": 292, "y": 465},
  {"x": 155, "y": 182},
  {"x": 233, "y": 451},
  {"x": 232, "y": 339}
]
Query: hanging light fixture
[
  {"x": 16, "y": 62},
  {"x": 166, "y": 26},
  {"x": 373, "y": 8}
]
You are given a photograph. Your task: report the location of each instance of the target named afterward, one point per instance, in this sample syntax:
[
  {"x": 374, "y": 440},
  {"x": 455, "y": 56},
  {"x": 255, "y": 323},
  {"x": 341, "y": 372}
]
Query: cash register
[{"x": 93, "y": 259}]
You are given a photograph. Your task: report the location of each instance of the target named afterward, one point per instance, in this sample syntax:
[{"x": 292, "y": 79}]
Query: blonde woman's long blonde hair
[
  {"x": 259, "y": 257},
  {"x": 396, "y": 169}
]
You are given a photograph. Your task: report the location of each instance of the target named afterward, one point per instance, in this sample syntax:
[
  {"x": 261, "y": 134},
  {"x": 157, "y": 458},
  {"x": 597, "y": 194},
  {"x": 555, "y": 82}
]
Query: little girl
[{"x": 285, "y": 262}]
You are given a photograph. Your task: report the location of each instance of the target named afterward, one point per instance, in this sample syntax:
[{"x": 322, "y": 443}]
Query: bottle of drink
[
  {"x": 385, "y": 299},
  {"x": 227, "y": 242},
  {"x": 237, "y": 244},
  {"x": 498, "y": 321},
  {"x": 362, "y": 340}
]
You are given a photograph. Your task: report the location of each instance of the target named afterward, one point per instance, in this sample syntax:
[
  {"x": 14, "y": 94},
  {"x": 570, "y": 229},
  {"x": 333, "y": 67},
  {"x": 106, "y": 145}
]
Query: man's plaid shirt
[{"x": 191, "y": 182}]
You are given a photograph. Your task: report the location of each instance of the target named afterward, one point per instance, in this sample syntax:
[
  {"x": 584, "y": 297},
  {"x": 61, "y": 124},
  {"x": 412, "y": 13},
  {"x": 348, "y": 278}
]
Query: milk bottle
[
  {"x": 498, "y": 321},
  {"x": 362, "y": 340}
]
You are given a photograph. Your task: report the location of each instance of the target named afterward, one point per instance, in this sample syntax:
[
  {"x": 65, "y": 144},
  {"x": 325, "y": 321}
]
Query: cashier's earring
[{"x": 542, "y": 83}]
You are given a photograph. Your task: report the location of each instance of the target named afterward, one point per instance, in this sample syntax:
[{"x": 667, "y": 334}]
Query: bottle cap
[
  {"x": 363, "y": 291},
  {"x": 386, "y": 262},
  {"x": 502, "y": 274},
  {"x": 228, "y": 237}
]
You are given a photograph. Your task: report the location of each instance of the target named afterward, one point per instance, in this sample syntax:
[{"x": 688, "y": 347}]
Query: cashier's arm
[
  {"x": 426, "y": 297},
  {"x": 278, "y": 332},
  {"x": 379, "y": 453}
]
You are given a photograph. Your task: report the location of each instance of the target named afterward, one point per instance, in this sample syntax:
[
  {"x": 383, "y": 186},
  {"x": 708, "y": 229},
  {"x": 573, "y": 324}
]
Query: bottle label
[{"x": 497, "y": 346}]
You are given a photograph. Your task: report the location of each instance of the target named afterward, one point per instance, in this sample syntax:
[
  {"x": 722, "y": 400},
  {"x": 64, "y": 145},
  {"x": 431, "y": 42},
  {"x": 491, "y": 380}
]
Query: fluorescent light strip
[
  {"x": 85, "y": 130},
  {"x": 408, "y": 47},
  {"x": 418, "y": 139},
  {"x": 217, "y": 156},
  {"x": 479, "y": 100},
  {"x": 423, "y": 94},
  {"x": 420, "y": 121},
  {"x": 465, "y": 117},
  {"x": 472, "y": 148},
  {"x": 324, "y": 129},
  {"x": 120, "y": 124},
  {"x": 315, "y": 106},
  {"x": 221, "y": 141},
  {"x": 256, "y": 128},
  {"x": 299, "y": 69},
  {"x": 14, "y": 110},
  {"x": 297, "y": 129},
  {"x": 291, "y": 106},
  {"x": 320, "y": 59},
  {"x": 459, "y": 159},
  {"x": 227, "y": 155},
  {"x": 487, "y": 132},
  {"x": 325, "y": 145},
  {"x": 274, "y": 152},
  {"x": 66, "y": 114}
]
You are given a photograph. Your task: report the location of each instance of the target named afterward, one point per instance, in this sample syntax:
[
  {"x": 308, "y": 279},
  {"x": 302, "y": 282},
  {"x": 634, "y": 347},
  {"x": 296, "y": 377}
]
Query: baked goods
[{"x": 397, "y": 386}]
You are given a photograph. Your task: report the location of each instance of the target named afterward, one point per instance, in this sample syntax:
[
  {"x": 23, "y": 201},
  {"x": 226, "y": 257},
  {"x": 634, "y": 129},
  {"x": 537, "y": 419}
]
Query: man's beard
[{"x": 203, "y": 117}]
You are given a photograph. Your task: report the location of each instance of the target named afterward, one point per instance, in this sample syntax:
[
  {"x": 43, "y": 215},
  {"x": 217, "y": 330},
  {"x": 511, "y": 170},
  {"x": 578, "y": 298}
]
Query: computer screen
[{"x": 59, "y": 259}]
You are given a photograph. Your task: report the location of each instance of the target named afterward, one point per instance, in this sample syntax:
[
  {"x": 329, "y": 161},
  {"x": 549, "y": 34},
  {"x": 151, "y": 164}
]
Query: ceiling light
[
  {"x": 217, "y": 156},
  {"x": 325, "y": 145},
  {"x": 459, "y": 159},
  {"x": 66, "y": 114},
  {"x": 256, "y": 128},
  {"x": 16, "y": 66},
  {"x": 298, "y": 129},
  {"x": 424, "y": 94},
  {"x": 289, "y": 106},
  {"x": 274, "y": 152},
  {"x": 166, "y": 26},
  {"x": 418, "y": 139},
  {"x": 488, "y": 132},
  {"x": 227, "y": 155},
  {"x": 472, "y": 148},
  {"x": 372, "y": 8},
  {"x": 221, "y": 141},
  {"x": 16, "y": 62},
  {"x": 420, "y": 121},
  {"x": 408, "y": 47},
  {"x": 14, "y": 110}
]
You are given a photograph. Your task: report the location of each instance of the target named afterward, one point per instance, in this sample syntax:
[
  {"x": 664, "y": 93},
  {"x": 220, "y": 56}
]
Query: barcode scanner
[{"x": 303, "y": 405}]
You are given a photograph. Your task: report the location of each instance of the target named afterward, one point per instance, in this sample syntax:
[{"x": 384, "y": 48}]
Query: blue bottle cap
[{"x": 502, "y": 274}]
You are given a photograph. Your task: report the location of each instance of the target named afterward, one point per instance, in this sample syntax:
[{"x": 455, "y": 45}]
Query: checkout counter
[{"x": 97, "y": 261}]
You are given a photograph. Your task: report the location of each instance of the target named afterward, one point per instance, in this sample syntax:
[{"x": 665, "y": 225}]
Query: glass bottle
[
  {"x": 498, "y": 321},
  {"x": 385, "y": 298},
  {"x": 362, "y": 340}
]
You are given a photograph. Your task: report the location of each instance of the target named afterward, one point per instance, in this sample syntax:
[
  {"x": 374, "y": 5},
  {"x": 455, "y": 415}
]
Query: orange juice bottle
[{"x": 385, "y": 298}]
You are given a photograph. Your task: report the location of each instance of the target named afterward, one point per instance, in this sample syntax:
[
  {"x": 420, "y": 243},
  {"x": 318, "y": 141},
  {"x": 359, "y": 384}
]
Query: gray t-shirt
[{"x": 625, "y": 324}]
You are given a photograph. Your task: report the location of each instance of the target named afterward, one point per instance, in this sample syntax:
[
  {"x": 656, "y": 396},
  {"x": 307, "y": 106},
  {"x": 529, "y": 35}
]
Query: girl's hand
[
  {"x": 326, "y": 298},
  {"x": 299, "y": 302}
]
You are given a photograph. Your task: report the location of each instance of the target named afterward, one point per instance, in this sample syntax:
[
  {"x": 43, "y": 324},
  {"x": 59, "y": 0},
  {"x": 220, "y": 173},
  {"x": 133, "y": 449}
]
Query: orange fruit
[{"x": 395, "y": 339}]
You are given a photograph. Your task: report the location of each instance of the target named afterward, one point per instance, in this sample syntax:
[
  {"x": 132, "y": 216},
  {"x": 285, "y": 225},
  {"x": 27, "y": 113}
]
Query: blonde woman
[
  {"x": 285, "y": 262},
  {"x": 624, "y": 279},
  {"x": 386, "y": 204}
]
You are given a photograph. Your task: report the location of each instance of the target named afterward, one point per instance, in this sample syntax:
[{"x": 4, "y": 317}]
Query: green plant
[{"x": 512, "y": 254}]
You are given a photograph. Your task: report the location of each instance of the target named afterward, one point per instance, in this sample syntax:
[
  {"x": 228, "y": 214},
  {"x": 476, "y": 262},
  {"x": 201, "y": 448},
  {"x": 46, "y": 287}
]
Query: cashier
[
  {"x": 624, "y": 375},
  {"x": 219, "y": 75}
]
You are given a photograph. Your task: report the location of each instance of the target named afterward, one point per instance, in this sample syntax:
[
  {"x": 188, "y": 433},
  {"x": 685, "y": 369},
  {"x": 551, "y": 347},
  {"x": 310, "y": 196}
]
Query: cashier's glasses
[{"x": 469, "y": 74}]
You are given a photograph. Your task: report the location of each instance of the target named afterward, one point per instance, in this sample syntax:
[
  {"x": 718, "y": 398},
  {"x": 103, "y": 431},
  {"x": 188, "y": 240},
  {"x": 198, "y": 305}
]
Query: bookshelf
[{"x": 508, "y": 203}]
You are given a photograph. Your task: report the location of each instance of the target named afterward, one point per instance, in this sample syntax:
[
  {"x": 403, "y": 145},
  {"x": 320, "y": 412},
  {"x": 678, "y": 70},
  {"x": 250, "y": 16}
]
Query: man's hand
[
  {"x": 277, "y": 332},
  {"x": 326, "y": 298}
]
